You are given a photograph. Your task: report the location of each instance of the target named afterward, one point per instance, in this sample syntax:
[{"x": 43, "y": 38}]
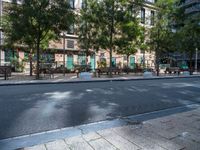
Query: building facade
[
  {"x": 191, "y": 6},
  {"x": 67, "y": 52}
]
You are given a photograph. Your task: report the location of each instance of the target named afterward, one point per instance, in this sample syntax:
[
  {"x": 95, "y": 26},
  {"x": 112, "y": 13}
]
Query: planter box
[
  {"x": 85, "y": 75},
  {"x": 147, "y": 74},
  {"x": 186, "y": 73}
]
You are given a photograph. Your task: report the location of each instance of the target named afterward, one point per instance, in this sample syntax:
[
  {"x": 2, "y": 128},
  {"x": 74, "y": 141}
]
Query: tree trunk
[
  {"x": 144, "y": 60},
  {"x": 158, "y": 54},
  {"x": 63, "y": 54},
  {"x": 127, "y": 57},
  {"x": 191, "y": 54},
  {"x": 127, "y": 64},
  {"x": 157, "y": 64},
  {"x": 38, "y": 61},
  {"x": 0, "y": 56},
  {"x": 13, "y": 61},
  {"x": 31, "y": 63},
  {"x": 110, "y": 70},
  {"x": 87, "y": 62},
  {"x": 157, "y": 69},
  {"x": 87, "y": 57},
  {"x": 111, "y": 36}
]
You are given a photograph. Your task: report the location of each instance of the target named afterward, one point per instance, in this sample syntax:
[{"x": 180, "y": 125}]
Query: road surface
[{"x": 26, "y": 109}]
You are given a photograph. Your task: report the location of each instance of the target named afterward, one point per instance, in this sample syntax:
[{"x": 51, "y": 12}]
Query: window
[
  {"x": 83, "y": 4},
  {"x": 70, "y": 44},
  {"x": 142, "y": 15},
  {"x": 82, "y": 59},
  {"x": 102, "y": 55},
  {"x": 71, "y": 29},
  {"x": 71, "y": 3},
  {"x": 152, "y": 17},
  {"x": 10, "y": 55},
  {"x": 113, "y": 62},
  {"x": 150, "y": 1}
]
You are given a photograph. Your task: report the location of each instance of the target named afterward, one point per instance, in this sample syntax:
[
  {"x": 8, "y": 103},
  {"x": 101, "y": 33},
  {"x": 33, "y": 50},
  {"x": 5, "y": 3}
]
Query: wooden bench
[
  {"x": 172, "y": 70},
  {"x": 5, "y": 71},
  {"x": 106, "y": 70},
  {"x": 47, "y": 72}
]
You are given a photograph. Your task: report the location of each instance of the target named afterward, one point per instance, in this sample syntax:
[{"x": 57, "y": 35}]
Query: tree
[
  {"x": 161, "y": 32},
  {"x": 189, "y": 37},
  {"x": 87, "y": 27},
  {"x": 130, "y": 39},
  {"x": 143, "y": 44},
  {"x": 105, "y": 21},
  {"x": 128, "y": 50},
  {"x": 35, "y": 23}
]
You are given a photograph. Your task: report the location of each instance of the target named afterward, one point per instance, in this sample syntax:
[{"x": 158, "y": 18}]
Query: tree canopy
[
  {"x": 129, "y": 40},
  {"x": 34, "y": 23},
  {"x": 161, "y": 34},
  {"x": 88, "y": 26},
  {"x": 188, "y": 37},
  {"x": 109, "y": 25}
]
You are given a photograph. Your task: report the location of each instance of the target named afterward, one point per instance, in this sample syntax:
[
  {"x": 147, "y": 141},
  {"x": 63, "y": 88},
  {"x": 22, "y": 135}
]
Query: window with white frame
[
  {"x": 70, "y": 44},
  {"x": 152, "y": 18},
  {"x": 142, "y": 15}
]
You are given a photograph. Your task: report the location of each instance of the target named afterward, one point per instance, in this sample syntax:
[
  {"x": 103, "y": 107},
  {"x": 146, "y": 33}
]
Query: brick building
[{"x": 67, "y": 49}]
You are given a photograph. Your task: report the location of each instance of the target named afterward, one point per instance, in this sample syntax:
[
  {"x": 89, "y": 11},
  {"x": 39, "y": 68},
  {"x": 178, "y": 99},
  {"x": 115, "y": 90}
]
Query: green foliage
[
  {"x": 129, "y": 41},
  {"x": 34, "y": 23},
  {"x": 117, "y": 20},
  {"x": 162, "y": 31},
  {"x": 88, "y": 26},
  {"x": 188, "y": 36},
  {"x": 109, "y": 25},
  {"x": 161, "y": 35},
  {"x": 19, "y": 65}
]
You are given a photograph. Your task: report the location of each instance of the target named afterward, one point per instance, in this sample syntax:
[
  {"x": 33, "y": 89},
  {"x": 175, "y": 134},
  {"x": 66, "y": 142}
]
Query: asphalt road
[{"x": 27, "y": 109}]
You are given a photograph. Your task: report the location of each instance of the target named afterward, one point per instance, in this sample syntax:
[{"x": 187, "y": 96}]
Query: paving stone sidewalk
[{"x": 179, "y": 131}]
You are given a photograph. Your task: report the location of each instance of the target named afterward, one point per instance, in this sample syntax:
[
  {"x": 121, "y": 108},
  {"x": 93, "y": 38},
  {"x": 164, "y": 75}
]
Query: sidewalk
[
  {"x": 22, "y": 79},
  {"x": 178, "y": 131}
]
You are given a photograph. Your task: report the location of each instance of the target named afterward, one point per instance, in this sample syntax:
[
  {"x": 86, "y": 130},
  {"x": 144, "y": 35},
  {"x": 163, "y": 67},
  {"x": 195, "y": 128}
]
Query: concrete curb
[{"x": 91, "y": 81}]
